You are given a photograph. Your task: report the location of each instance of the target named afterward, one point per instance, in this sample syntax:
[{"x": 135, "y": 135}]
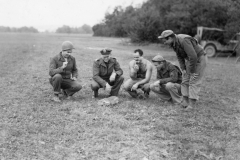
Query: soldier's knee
[
  {"x": 146, "y": 87},
  {"x": 78, "y": 87},
  {"x": 95, "y": 86},
  {"x": 57, "y": 77},
  {"x": 126, "y": 86},
  {"x": 152, "y": 87},
  {"x": 169, "y": 85}
]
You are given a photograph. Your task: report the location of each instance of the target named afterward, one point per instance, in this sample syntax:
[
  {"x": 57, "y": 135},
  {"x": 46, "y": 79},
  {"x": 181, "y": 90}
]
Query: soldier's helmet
[
  {"x": 66, "y": 45},
  {"x": 166, "y": 34}
]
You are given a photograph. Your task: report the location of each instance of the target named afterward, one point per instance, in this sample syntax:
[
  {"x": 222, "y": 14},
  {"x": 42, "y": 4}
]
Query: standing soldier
[
  {"x": 192, "y": 60},
  {"x": 107, "y": 74},
  {"x": 63, "y": 71},
  {"x": 169, "y": 78},
  {"x": 140, "y": 75}
]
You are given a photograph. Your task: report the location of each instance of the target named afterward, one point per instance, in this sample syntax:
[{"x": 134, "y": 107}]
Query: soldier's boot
[
  {"x": 95, "y": 94},
  {"x": 56, "y": 98},
  {"x": 184, "y": 102},
  {"x": 191, "y": 105}
]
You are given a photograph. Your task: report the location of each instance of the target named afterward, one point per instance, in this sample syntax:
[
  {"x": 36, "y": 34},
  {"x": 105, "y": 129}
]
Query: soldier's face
[
  {"x": 158, "y": 65},
  {"x": 106, "y": 58},
  {"x": 168, "y": 41},
  {"x": 137, "y": 58},
  {"x": 66, "y": 53}
]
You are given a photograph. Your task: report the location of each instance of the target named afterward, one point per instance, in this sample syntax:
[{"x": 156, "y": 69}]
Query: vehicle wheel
[{"x": 210, "y": 50}]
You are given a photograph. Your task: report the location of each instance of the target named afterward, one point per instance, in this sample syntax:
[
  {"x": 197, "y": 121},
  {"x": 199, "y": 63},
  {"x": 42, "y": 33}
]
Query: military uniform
[
  {"x": 102, "y": 72},
  {"x": 61, "y": 78},
  {"x": 193, "y": 59},
  {"x": 170, "y": 77}
]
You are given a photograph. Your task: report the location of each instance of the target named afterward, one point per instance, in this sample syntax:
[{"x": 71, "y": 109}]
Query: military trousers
[
  {"x": 116, "y": 85},
  {"x": 168, "y": 91},
  {"x": 68, "y": 85},
  {"x": 130, "y": 82},
  {"x": 191, "y": 87}
]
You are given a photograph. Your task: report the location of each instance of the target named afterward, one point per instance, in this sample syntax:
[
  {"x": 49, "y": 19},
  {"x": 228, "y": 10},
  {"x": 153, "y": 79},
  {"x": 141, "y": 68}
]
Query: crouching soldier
[
  {"x": 169, "y": 78},
  {"x": 107, "y": 74},
  {"x": 140, "y": 74},
  {"x": 63, "y": 71}
]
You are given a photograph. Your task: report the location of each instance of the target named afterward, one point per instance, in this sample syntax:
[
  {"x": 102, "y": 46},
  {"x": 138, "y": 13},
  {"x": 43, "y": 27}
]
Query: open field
[{"x": 34, "y": 127}]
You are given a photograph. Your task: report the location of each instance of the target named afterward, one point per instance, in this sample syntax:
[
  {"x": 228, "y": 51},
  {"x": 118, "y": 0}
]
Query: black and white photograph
[{"x": 119, "y": 80}]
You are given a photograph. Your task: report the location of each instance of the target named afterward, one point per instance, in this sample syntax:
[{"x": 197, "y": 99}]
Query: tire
[{"x": 210, "y": 50}]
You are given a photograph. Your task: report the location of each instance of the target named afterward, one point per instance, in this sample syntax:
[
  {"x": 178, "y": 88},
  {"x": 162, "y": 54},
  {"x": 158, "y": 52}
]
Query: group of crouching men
[{"x": 175, "y": 85}]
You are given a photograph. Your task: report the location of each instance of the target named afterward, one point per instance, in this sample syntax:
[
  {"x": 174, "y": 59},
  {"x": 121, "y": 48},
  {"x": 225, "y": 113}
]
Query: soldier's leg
[
  {"x": 185, "y": 86},
  {"x": 175, "y": 91},
  {"x": 128, "y": 85},
  {"x": 195, "y": 84},
  {"x": 70, "y": 86},
  {"x": 161, "y": 92},
  {"x": 95, "y": 87},
  {"x": 116, "y": 86},
  {"x": 146, "y": 89},
  {"x": 56, "y": 81}
]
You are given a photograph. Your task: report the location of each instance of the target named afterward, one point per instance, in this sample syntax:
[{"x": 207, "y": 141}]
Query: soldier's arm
[
  {"x": 190, "y": 51},
  {"x": 173, "y": 76},
  {"x": 74, "y": 70},
  {"x": 148, "y": 74},
  {"x": 117, "y": 68},
  {"x": 96, "y": 76},
  {"x": 181, "y": 61},
  {"x": 132, "y": 72},
  {"x": 53, "y": 68}
]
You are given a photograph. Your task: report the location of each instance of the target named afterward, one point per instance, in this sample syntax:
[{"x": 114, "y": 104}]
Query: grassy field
[{"x": 34, "y": 127}]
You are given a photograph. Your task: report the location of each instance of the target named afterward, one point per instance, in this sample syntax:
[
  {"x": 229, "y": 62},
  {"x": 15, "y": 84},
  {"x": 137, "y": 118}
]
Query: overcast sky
[{"x": 50, "y": 14}]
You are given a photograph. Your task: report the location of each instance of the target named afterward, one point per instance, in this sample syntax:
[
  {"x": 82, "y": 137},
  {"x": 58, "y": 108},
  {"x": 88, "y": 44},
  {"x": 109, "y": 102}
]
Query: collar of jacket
[
  {"x": 165, "y": 67},
  {"x": 175, "y": 42},
  {"x": 110, "y": 62},
  {"x": 61, "y": 58}
]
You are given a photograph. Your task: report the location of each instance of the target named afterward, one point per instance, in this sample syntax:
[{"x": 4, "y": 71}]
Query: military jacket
[
  {"x": 56, "y": 63},
  {"x": 169, "y": 73},
  {"x": 102, "y": 71},
  {"x": 187, "y": 48}
]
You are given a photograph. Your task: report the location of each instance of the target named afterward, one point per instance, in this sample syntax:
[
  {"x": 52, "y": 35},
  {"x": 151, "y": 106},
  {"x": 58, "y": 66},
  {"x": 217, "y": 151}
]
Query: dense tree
[
  {"x": 76, "y": 30},
  {"x": 21, "y": 29},
  {"x": 182, "y": 16}
]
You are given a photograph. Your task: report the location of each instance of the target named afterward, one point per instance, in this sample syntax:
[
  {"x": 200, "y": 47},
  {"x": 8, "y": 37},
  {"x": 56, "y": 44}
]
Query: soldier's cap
[
  {"x": 165, "y": 34},
  {"x": 158, "y": 58},
  {"x": 106, "y": 51}
]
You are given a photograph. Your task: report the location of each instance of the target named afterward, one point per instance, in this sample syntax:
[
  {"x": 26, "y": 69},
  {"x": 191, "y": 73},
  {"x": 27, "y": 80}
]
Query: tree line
[
  {"x": 84, "y": 29},
  {"x": 19, "y": 30},
  {"x": 145, "y": 23}
]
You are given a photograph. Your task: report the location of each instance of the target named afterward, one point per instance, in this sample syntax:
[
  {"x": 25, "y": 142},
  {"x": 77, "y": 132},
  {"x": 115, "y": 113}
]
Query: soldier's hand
[
  {"x": 184, "y": 72},
  {"x": 134, "y": 87},
  {"x": 136, "y": 67},
  {"x": 74, "y": 78},
  {"x": 112, "y": 77},
  {"x": 193, "y": 77},
  {"x": 108, "y": 88},
  {"x": 157, "y": 83},
  {"x": 64, "y": 65}
]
